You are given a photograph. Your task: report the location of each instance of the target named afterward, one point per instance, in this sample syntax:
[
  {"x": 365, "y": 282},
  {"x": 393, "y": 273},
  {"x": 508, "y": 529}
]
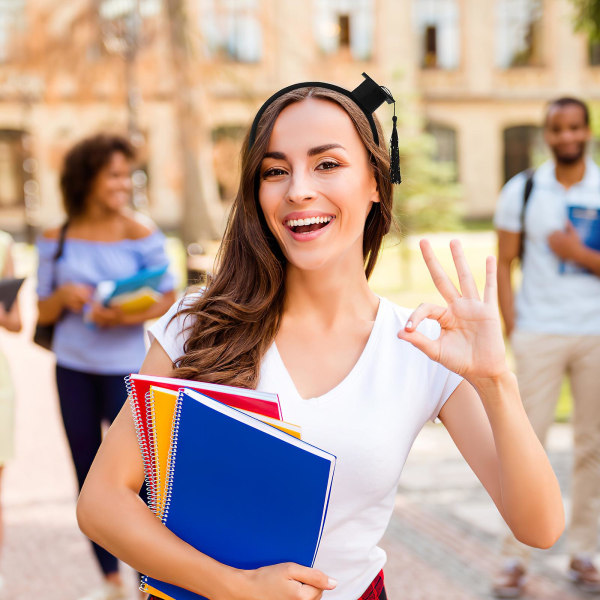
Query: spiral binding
[
  {"x": 139, "y": 428},
  {"x": 172, "y": 455},
  {"x": 154, "y": 499}
]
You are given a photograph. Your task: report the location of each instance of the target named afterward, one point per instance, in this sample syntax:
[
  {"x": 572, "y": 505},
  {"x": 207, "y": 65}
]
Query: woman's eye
[
  {"x": 274, "y": 172},
  {"x": 327, "y": 165}
]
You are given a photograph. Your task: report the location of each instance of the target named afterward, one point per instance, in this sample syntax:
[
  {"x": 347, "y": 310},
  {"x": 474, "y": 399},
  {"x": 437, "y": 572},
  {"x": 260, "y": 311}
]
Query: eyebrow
[{"x": 312, "y": 152}]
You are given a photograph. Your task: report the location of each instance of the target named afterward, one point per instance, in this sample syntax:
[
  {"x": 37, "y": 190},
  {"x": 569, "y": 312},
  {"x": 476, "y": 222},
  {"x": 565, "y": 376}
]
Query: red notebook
[{"x": 138, "y": 387}]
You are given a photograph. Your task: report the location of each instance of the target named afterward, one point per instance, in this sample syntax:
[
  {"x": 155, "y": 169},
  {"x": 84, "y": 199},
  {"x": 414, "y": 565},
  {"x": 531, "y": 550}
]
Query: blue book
[
  {"x": 145, "y": 278},
  {"x": 241, "y": 491},
  {"x": 587, "y": 223}
]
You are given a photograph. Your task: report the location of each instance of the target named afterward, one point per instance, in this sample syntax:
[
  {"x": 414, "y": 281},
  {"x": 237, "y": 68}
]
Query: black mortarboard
[{"x": 368, "y": 96}]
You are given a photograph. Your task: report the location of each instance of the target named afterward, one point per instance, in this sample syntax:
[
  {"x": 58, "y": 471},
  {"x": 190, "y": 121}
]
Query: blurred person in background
[
  {"x": 97, "y": 346},
  {"x": 11, "y": 321},
  {"x": 554, "y": 321}
]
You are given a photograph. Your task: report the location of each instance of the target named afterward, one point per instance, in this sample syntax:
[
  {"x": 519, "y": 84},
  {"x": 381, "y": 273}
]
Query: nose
[{"x": 300, "y": 189}]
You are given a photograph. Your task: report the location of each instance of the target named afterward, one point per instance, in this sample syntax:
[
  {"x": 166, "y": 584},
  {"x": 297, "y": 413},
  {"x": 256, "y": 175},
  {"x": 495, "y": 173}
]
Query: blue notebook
[
  {"x": 241, "y": 491},
  {"x": 146, "y": 278},
  {"x": 587, "y": 223}
]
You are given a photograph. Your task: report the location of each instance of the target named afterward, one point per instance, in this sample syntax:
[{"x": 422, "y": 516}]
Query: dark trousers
[{"x": 87, "y": 401}]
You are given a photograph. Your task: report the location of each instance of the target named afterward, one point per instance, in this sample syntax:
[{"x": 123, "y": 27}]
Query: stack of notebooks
[
  {"x": 131, "y": 294},
  {"x": 228, "y": 475}
]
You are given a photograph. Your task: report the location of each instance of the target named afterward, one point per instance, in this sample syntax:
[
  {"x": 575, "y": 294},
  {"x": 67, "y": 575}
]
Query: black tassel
[{"x": 394, "y": 152}]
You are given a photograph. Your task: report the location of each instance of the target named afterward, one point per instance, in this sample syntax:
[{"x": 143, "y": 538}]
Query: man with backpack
[{"x": 549, "y": 221}]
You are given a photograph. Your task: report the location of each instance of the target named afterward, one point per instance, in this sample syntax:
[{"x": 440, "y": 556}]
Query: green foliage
[
  {"x": 587, "y": 18},
  {"x": 429, "y": 197}
]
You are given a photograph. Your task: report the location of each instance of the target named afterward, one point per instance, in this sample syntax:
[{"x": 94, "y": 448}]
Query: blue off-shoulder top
[{"x": 77, "y": 345}]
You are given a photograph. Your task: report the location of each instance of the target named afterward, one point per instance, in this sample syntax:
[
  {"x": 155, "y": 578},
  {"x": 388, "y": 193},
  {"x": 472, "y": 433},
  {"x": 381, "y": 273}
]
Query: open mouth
[{"x": 308, "y": 225}]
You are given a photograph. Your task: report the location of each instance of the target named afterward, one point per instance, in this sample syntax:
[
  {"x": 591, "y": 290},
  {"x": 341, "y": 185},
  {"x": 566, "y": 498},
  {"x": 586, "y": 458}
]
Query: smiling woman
[
  {"x": 290, "y": 311},
  {"x": 96, "y": 345}
]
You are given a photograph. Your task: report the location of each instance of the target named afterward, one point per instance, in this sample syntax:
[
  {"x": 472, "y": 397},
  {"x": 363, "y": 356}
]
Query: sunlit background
[{"x": 183, "y": 79}]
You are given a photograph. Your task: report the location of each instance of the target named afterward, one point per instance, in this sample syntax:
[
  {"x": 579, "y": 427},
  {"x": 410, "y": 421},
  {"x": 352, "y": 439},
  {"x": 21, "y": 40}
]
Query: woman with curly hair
[{"x": 95, "y": 345}]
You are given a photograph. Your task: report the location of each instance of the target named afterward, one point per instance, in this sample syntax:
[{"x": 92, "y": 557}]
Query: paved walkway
[{"x": 442, "y": 541}]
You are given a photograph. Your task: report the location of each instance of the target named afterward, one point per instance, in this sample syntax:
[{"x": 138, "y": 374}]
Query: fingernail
[
  {"x": 408, "y": 325},
  {"x": 331, "y": 582}
]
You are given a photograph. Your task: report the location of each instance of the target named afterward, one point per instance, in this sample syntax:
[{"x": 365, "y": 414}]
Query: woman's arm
[
  {"x": 484, "y": 415},
  {"x": 114, "y": 316},
  {"x": 110, "y": 512},
  {"x": 10, "y": 320},
  {"x": 490, "y": 428}
]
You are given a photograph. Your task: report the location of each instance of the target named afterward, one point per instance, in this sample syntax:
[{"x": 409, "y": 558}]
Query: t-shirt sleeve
[
  {"x": 442, "y": 381},
  {"x": 154, "y": 255},
  {"x": 510, "y": 205},
  {"x": 172, "y": 329}
]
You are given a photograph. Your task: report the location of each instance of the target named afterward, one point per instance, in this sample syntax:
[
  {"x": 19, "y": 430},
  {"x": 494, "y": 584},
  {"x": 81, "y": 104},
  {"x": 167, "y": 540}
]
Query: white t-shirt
[
  {"x": 550, "y": 300},
  {"x": 369, "y": 422}
]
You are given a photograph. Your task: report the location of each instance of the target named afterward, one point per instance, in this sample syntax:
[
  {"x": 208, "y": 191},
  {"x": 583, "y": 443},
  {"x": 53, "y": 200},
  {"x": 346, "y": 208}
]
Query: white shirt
[
  {"x": 369, "y": 422},
  {"x": 550, "y": 300}
]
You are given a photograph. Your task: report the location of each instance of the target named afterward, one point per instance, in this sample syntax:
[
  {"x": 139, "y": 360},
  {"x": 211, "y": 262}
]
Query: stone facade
[{"x": 64, "y": 76}]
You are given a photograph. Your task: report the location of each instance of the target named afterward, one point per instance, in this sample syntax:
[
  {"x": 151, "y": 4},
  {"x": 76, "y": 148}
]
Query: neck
[
  {"x": 99, "y": 215},
  {"x": 570, "y": 174},
  {"x": 329, "y": 295}
]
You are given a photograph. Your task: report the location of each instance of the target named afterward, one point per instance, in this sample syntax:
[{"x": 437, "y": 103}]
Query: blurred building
[{"x": 185, "y": 77}]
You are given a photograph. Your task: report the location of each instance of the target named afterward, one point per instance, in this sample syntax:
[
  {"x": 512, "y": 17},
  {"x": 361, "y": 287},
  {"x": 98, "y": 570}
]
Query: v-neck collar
[{"x": 372, "y": 341}]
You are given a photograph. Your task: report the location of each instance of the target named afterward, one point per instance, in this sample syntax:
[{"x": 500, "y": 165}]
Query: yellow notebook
[
  {"x": 137, "y": 301},
  {"x": 162, "y": 407}
]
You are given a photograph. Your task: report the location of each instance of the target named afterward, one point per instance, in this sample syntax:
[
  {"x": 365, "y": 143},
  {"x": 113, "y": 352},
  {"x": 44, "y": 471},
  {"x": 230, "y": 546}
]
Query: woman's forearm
[
  {"x": 153, "y": 312},
  {"x": 531, "y": 502},
  {"x": 51, "y": 308},
  {"x": 122, "y": 524}
]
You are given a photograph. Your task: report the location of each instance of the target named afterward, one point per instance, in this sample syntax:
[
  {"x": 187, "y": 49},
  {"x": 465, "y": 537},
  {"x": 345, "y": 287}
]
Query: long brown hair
[{"x": 237, "y": 317}]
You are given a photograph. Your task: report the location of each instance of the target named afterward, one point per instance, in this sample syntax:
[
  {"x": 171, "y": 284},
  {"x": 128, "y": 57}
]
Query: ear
[{"x": 374, "y": 189}]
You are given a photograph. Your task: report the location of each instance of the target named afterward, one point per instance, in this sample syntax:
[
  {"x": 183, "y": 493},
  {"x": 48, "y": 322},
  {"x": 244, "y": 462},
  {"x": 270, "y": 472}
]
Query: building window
[
  {"x": 345, "y": 24},
  {"x": 437, "y": 25},
  {"x": 232, "y": 29},
  {"x": 117, "y": 9},
  {"x": 518, "y": 33},
  {"x": 523, "y": 148},
  {"x": 12, "y": 21},
  {"x": 446, "y": 150}
]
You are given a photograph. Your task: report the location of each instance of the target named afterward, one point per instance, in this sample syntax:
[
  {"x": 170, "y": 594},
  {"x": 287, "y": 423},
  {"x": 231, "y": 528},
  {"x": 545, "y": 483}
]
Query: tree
[{"x": 587, "y": 18}]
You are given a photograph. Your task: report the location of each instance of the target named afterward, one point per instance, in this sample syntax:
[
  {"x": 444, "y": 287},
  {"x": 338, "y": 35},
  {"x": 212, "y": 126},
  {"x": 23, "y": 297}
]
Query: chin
[{"x": 569, "y": 159}]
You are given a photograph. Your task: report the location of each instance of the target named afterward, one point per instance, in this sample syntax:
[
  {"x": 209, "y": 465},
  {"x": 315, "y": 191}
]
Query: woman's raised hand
[{"x": 470, "y": 341}]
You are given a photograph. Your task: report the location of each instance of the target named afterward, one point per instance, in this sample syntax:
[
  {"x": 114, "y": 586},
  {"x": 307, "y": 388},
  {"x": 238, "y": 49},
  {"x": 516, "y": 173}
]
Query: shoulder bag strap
[{"x": 59, "y": 251}]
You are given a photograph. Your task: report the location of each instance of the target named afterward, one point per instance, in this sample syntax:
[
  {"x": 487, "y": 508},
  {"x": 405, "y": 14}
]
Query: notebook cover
[
  {"x": 138, "y": 387},
  {"x": 587, "y": 224},
  {"x": 242, "y": 492},
  {"x": 162, "y": 404},
  {"x": 143, "y": 278},
  {"x": 135, "y": 302}
]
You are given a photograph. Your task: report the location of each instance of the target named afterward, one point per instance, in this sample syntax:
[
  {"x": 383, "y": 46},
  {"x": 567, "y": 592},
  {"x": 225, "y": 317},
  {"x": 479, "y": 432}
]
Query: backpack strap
[{"x": 526, "y": 193}]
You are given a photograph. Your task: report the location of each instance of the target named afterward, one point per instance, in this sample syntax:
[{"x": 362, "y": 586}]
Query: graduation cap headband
[{"x": 368, "y": 96}]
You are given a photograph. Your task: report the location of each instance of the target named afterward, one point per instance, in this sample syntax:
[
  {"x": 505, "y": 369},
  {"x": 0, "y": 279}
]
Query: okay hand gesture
[{"x": 470, "y": 342}]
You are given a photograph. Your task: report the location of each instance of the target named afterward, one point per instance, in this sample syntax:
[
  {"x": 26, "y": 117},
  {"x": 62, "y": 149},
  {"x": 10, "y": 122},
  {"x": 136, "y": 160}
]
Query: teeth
[{"x": 308, "y": 221}]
